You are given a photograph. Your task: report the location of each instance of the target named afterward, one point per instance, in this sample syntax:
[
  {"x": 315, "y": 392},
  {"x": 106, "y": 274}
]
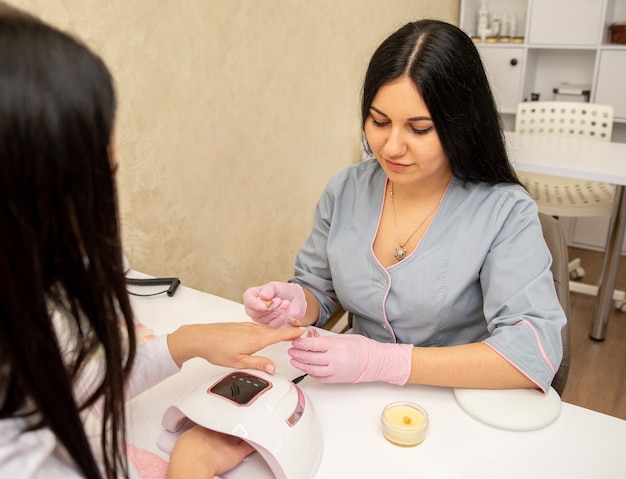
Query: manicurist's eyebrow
[
  {"x": 378, "y": 111},
  {"x": 419, "y": 118},
  {"x": 414, "y": 118}
]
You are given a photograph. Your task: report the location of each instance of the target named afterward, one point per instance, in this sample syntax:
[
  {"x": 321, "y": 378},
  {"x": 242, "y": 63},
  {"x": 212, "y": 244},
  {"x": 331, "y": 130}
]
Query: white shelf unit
[{"x": 564, "y": 41}]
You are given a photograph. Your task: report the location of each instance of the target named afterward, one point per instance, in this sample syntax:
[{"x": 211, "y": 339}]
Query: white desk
[
  {"x": 587, "y": 160},
  {"x": 579, "y": 444}
]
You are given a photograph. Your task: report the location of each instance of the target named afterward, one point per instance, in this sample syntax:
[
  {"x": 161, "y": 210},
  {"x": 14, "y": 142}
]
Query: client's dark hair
[{"x": 63, "y": 299}]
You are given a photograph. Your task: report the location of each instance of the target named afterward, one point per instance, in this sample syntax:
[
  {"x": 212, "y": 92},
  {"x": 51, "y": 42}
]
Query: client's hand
[
  {"x": 275, "y": 304},
  {"x": 200, "y": 453},
  {"x": 351, "y": 358},
  {"x": 228, "y": 344}
]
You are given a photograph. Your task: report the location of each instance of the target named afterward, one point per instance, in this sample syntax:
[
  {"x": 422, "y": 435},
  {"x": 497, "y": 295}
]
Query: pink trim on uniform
[
  {"x": 543, "y": 352},
  {"x": 380, "y": 217}
]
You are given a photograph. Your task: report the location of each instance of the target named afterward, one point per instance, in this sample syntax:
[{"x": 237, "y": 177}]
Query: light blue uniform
[{"x": 480, "y": 273}]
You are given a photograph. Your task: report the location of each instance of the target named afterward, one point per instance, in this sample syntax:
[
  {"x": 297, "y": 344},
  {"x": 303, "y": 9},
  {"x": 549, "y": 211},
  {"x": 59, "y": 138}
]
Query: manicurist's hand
[
  {"x": 228, "y": 344},
  {"x": 200, "y": 453},
  {"x": 351, "y": 358},
  {"x": 275, "y": 304}
]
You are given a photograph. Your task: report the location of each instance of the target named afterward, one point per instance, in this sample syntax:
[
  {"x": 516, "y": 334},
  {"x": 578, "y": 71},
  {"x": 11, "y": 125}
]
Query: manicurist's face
[{"x": 402, "y": 135}]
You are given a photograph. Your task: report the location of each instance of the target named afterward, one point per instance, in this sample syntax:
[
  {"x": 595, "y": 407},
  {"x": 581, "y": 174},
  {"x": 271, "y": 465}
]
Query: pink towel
[{"x": 148, "y": 464}]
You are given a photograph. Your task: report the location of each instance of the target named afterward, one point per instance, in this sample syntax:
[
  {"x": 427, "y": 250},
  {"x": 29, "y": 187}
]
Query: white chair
[{"x": 568, "y": 197}]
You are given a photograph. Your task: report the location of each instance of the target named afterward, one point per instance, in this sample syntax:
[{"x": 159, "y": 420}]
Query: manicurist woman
[{"x": 432, "y": 243}]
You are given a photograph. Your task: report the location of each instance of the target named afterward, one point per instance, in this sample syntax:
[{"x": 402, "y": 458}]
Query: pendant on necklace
[{"x": 400, "y": 253}]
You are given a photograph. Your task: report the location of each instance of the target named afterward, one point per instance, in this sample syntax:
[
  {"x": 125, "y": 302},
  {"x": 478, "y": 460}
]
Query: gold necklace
[{"x": 401, "y": 252}]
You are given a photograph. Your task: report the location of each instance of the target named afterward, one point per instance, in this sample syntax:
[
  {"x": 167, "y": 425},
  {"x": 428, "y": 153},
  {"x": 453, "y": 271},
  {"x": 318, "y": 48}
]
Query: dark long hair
[
  {"x": 60, "y": 240},
  {"x": 445, "y": 65}
]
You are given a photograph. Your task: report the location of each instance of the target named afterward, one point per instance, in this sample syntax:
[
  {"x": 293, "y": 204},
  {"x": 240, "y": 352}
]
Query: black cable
[
  {"x": 151, "y": 294},
  {"x": 173, "y": 284}
]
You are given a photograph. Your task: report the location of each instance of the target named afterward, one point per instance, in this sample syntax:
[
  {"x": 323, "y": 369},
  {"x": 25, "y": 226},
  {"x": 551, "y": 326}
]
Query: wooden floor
[{"x": 597, "y": 378}]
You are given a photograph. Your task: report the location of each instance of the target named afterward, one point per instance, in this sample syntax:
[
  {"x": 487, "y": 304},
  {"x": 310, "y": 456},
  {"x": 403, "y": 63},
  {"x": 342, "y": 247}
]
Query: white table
[
  {"x": 579, "y": 444},
  {"x": 586, "y": 160}
]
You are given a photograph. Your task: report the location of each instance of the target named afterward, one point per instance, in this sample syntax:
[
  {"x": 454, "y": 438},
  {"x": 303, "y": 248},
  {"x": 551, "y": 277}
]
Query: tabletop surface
[
  {"x": 568, "y": 156},
  {"x": 579, "y": 444}
]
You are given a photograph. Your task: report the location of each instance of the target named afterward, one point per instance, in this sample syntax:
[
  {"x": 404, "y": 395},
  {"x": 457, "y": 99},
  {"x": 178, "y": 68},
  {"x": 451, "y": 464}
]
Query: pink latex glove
[
  {"x": 351, "y": 358},
  {"x": 275, "y": 304}
]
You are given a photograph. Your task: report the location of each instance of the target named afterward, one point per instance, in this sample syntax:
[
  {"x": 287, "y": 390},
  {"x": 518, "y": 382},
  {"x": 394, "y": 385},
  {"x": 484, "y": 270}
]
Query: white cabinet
[
  {"x": 557, "y": 41},
  {"x": 565, "y": 22},
  {"x": 504, "y": 69},
  {"x": 611, "y": 84},
  {"x": 560, "y": 41}
]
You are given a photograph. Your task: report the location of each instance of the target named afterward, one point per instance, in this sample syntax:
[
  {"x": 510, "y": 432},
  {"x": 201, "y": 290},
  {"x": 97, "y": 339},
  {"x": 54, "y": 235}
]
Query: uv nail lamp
[{"x": 269, "y": 412}]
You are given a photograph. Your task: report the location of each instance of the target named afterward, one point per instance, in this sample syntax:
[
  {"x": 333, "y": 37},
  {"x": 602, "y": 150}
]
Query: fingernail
[{"x": 270, "y": 368}]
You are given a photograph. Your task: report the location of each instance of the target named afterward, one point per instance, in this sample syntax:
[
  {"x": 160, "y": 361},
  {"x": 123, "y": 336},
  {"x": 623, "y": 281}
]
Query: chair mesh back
[{"x": 583, "y": 120}]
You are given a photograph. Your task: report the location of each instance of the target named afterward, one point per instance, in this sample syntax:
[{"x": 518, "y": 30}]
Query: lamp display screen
[{"x": 240, "y": 387}]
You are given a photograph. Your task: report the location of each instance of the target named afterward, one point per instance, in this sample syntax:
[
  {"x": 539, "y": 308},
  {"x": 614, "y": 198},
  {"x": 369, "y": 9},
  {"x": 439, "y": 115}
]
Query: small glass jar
[{"x": 404, "y": 423}]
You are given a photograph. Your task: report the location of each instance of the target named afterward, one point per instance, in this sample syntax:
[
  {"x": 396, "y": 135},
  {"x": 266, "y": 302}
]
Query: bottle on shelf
[
  {"x": 482, "y": 21},
  {"x": 512, "y": 25},
  {"x": 496, "y": 25}
]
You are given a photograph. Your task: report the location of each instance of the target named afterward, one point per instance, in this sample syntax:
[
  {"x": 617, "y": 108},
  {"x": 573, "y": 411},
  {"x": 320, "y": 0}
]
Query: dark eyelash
[
  {"x": 422, "y": 132},
  {"x": 381, "y": 124}
]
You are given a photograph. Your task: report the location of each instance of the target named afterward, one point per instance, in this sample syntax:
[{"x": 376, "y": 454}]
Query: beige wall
[{"x": 232, "y": 116}]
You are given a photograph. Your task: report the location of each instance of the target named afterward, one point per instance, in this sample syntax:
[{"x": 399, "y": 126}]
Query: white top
[{"x": 37, "y": 454}]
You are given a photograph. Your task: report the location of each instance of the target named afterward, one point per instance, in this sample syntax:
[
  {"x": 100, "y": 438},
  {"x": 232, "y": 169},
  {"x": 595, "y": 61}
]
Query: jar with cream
[{"x": 404, "y": 423}]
